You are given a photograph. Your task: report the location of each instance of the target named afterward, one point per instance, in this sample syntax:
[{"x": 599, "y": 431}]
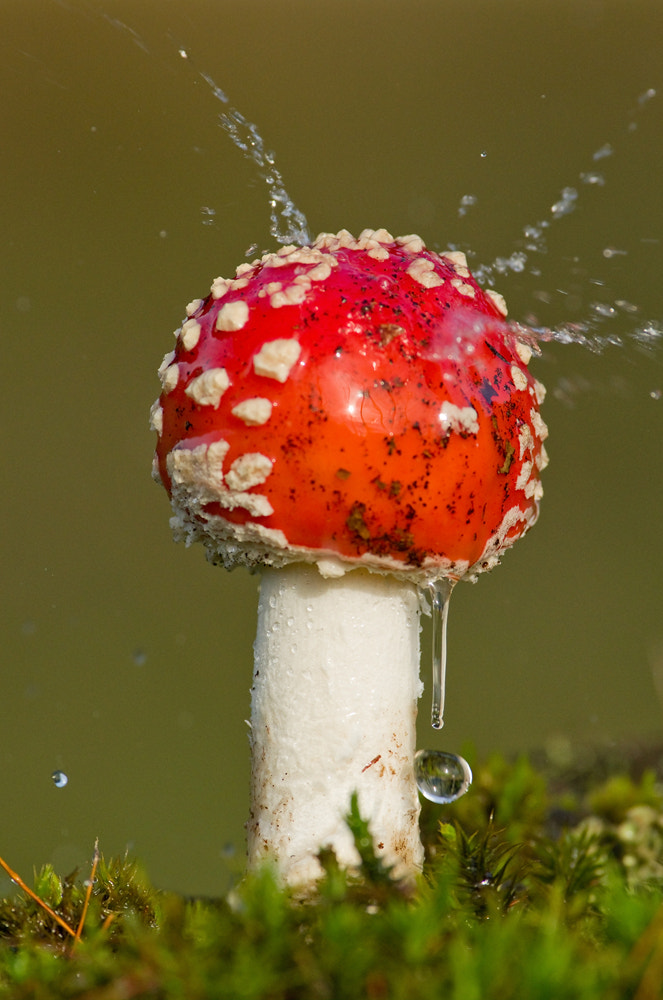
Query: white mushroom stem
[{"x": 334, "y": 705}]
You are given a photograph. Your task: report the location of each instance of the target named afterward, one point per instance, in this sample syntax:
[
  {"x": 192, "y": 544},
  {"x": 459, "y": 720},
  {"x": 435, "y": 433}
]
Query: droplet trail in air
[
  {"x": 440, "y": 592},
  {"x": 441, "y": 777}
]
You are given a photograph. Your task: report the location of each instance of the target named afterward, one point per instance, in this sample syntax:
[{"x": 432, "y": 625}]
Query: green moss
[{"x": 531, "y": 890}]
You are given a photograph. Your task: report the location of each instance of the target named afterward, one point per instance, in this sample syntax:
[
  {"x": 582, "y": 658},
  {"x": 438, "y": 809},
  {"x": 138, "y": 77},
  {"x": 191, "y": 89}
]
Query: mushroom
[{"x": 355, "y": 420}]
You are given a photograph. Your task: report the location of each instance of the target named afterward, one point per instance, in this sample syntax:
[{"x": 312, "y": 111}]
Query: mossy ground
[{"x": 535, "y": 887}]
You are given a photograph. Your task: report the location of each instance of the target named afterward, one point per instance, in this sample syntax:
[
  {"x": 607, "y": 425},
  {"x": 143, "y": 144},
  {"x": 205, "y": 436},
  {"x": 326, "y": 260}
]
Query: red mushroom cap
[{"x": 356, "y": 402}]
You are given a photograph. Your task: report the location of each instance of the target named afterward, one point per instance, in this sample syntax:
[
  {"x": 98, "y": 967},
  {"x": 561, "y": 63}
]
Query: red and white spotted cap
[{"x": 356, "y": 402}]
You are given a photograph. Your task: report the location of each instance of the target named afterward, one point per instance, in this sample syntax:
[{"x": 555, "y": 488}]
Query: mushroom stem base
[{"x": 334, "y": 705}]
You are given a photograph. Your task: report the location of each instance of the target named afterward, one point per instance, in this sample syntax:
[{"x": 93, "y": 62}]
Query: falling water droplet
[
  {"x": 60, "y": 779},
  {"x": 605, "y": 150},
  {"x": 466, "y": 202},
  {"x": 441, "y": 777},
  {"x": 440, "y": 592}
]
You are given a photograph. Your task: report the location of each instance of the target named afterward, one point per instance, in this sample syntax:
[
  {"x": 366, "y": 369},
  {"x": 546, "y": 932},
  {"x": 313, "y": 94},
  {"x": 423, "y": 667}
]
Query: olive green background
[{"x": 125, "y": 659}]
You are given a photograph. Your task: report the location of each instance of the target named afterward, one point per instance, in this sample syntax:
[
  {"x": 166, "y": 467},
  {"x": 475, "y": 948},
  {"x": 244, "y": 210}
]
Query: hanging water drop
[
  {"x": 440, "y": 592},
  {"x": 441, "y": 777},
  {"x": 60, "y": 779}
]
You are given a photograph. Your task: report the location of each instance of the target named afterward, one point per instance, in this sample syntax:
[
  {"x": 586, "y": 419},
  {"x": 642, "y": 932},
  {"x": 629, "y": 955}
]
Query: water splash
[
  {"x": 534, "y": 234},
  {"x": 287, "y": 223},
  {"x": 440, "y": 592},
  {"x": 647, "y": 336},
  {"x": 441, "y": 777},
  {"x": 533, "y": 243}
]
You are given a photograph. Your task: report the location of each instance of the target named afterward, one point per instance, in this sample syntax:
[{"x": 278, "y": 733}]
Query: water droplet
[
  {"x": 441, "y": 777},
  {"x": 566, "y": 202},
  {"x": 467, "y": 201},
  {"x": 627, "y": 307},
  {"x": 603, "y": 309},
  {"x": 605, "y": 150},
  {"x": 610, "y": 252},
  {"x": 440, "y": 592},
  {"x": 484, "y": 154},
  {"x": 60, "y": 779},
  {"x": 592, "y": 177},
  {"x": 516, "y": 263},
  {"x": 647, "y": 96},
  {"x": 139, "y": 657}
]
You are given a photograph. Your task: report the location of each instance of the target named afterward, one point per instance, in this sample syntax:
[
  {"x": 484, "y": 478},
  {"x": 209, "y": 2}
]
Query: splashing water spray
[
  {"x": 533, "y": 243},
  {"x": 354, "y": 418}
]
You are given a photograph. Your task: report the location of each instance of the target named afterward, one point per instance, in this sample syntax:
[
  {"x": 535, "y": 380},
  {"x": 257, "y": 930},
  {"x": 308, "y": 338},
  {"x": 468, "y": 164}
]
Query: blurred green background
[{"x": 126, "y": 659}]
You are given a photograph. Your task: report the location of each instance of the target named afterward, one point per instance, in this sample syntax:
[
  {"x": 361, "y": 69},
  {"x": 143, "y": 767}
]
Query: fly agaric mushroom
[{"x": 356, "y": 420}]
